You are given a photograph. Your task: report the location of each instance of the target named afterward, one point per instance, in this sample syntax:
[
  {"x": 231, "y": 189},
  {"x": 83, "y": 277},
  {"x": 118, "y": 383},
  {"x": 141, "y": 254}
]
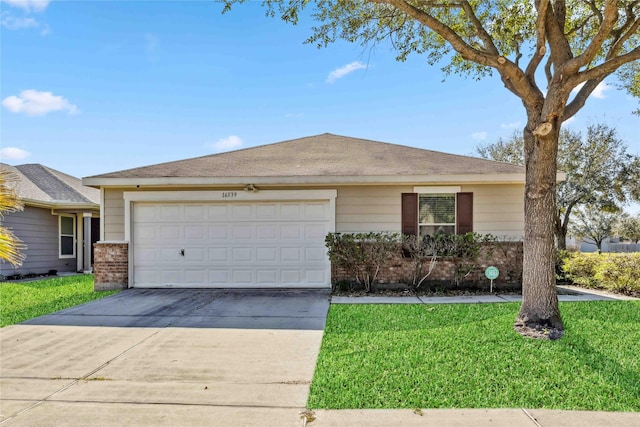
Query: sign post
[{"x": 492, "y": 273}]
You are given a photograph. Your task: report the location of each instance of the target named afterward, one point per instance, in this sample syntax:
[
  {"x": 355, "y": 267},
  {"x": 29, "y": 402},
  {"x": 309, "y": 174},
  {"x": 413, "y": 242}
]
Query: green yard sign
[{"x": 492, "y": 273}]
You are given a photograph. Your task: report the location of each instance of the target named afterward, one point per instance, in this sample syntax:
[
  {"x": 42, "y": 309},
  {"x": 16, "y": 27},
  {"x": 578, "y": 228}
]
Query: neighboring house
[
  {"x": 258, "y": 217},
  {"x": 58, "y": 224}
]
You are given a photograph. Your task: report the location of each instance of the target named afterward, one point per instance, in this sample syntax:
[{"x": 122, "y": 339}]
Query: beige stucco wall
[{"x": 498, "y": 209}]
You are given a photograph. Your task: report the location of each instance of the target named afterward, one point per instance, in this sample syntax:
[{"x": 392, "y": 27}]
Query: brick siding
[
  {"x": 506, "y": 256},
  {"x": 111, "y": 266}
]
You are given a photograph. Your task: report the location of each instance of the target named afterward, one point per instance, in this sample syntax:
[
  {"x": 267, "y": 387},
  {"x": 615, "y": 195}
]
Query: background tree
[
  {"x": 628, "y": 228},
  {"x": 599, "y": 171},
  {"x": 11, "y": 248},
  {"x": 542, "y": 51},
  {"x": 593, "y": 225}
]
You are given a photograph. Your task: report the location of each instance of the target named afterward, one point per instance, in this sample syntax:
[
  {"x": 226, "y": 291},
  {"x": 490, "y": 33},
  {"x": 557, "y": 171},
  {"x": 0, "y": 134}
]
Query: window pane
[
  {"x": 66, "y": 225},
  {"x": 437, "y": 209},
  {"x": 66, "y": 245},
  {"x": 433, "y": 230}
]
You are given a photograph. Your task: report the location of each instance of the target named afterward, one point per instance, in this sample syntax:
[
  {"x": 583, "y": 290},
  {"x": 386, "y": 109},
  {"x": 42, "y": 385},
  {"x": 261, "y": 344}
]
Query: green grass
[
  {"x": 20, "y": 301},
  {"x": 468, "y": 356}
]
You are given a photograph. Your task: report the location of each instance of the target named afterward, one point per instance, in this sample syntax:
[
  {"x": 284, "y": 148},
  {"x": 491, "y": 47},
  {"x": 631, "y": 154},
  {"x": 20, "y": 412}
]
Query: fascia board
[{"x": 517, "y": 178}]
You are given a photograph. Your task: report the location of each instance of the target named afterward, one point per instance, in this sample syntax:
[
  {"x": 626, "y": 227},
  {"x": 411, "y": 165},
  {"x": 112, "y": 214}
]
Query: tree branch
[
  {"x": 513, "y": 78},
  {"x": 484, "y": 36},
  {"x": 606, "y": 26},
  {"x": 541, "y": 49}
]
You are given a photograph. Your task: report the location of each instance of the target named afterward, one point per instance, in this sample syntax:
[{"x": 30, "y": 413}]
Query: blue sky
[{"x": 94, "y": 87}]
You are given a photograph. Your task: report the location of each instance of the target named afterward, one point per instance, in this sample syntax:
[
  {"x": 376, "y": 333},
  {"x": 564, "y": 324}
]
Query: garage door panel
[
  {"x": 241, "y": 254},
  {"x": 290, "y": 254},
  {"x": 171, "y": 213},
  {"x": 266, "y": 231},
  {"x": 218, "y": 255},
  {"x": 315, "y": 254},
  {"x": 196, "y": 213},
  {"x": 242, "y": 277},
  {"x": 291, "y": 277},
  {"x": 195, "y": 232},
  {"x": 290, "y": 232},
  {"x": 315, "y": 231},
  {"x": 290, "y": 211},
  {"x": 217, "y": 212},
  {"x": 218, "y": 232},
  {"x": 196, "y": 276},
  {"x": 242, "y": 211},
  {"x": 170, "y": 231},
  {"x": 230, "y": 244},
  {"x": 266, "y": 254},
  {"x": 219, "y": 277},
  {"x": 266, "y": 277},
  {"x": 243, "y": 231}
]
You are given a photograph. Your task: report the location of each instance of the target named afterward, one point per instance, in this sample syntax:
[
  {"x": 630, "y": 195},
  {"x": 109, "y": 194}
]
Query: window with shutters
[{"x": 436, "y": 213}]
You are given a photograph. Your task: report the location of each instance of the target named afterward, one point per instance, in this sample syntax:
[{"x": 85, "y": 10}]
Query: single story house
[
  {"x": 59, "y": 222},
  {"x": 258, "y": 217}
]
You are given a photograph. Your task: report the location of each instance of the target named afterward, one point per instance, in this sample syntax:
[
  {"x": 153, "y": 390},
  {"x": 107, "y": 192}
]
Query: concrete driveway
[{"x": 165, "y": 357}]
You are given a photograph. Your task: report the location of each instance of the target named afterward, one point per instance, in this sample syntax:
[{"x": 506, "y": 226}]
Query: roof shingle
[
  {"x": 322, "y": 155},
  {"x": 42, "y": 184}
]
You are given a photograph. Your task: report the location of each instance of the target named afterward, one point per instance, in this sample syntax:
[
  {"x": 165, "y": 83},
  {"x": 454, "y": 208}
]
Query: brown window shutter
[
  {"x": 410, "y": 214},
  {"x": 464, "y": 213}
]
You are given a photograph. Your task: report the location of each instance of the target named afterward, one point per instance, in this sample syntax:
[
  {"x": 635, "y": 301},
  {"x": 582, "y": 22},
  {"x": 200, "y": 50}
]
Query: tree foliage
[
  {"x": 11, "y": 248},
  {"x": 543, "y": 51},
  {"x": 628, "y": 228},
  {"x": 594, "y": 225},
  {"x": 599, "y": 171}
]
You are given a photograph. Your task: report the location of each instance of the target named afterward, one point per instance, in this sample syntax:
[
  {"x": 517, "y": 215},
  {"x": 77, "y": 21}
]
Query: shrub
[
  {"x": 420, "y": 250},
  {"x": 620, "y": 273},
  {"x": 614, "y": 272},
  {"x": 362, "y": 254},
  {"x": 461, "y": 249}
]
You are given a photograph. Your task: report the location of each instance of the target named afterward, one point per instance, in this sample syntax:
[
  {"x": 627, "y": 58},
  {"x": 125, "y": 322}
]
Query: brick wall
[
  {"x": 506, "y": 256},
  {"x": 111, "y": 266}
]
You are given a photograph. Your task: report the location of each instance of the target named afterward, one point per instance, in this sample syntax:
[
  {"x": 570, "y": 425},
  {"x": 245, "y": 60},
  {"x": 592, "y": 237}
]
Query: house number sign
[{"x": 229, "y": 194}]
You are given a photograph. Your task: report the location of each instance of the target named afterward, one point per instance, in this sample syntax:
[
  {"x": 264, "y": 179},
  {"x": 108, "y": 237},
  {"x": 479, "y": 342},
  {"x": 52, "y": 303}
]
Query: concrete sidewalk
[{"x": 572, "y": 294}]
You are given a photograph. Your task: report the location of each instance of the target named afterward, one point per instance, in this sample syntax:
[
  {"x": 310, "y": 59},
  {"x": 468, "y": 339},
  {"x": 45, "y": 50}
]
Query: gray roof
[
  {"x": 321, "y": 155},
  {"x": 38, "y": 183}
]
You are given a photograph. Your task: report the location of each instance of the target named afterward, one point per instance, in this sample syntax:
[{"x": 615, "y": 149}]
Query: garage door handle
[{"x": 182, "y": 252}]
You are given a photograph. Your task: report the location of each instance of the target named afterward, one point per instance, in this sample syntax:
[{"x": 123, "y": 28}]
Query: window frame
[
  {"x": 455, "y": 211},
  {"x": 61, "y": 235}
]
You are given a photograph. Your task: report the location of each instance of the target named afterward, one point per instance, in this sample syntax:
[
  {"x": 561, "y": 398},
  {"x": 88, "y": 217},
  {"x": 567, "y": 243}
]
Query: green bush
[
  {"x": 362, "y": 255},
  {"x": 614, "y": 272},
  {"x": 620, "y": 273}
]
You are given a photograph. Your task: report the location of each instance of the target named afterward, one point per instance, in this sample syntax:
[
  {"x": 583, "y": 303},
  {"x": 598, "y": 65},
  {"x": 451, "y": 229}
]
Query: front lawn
[
  {"x": 20, "y": 301},
  {"x": 468, "y": 356}
]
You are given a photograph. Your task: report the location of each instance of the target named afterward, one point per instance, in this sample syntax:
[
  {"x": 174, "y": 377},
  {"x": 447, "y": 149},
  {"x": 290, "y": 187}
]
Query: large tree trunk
[{"x": 539, "y": 315}]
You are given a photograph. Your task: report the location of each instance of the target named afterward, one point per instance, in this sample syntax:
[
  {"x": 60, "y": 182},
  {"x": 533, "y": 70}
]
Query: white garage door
[{"x": 243, "y": 244}]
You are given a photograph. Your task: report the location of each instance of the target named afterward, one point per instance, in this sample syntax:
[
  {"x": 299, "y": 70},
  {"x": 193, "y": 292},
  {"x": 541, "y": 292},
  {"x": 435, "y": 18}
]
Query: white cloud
[
  {"x": 11, "y": 22},
  {"x": 339, "y": 73},
  {"x": 479, "y": 136},
  {"x": 29, "y": 5},
  {"x": 598, "y": 92},
  {"x": 569, "y": 121},
  {"x": 13, "y": 153},
  {"x": 512, "y": 125},
  {"x": 35, "y": 103},
  {"x": 228, "y": 143}
]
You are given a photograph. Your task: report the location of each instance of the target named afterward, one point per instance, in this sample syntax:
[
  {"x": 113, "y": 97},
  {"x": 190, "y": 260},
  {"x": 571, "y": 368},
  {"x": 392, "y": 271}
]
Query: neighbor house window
[
  {"x": 67, "y": 227},
  {"x": 436, "y": 214}
]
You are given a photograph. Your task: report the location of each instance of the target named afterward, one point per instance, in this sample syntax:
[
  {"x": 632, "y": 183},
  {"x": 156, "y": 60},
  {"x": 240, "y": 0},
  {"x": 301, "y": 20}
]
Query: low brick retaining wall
[
  {"x": 506, "y": 256},
  {"x": 111, "y": 265}
]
